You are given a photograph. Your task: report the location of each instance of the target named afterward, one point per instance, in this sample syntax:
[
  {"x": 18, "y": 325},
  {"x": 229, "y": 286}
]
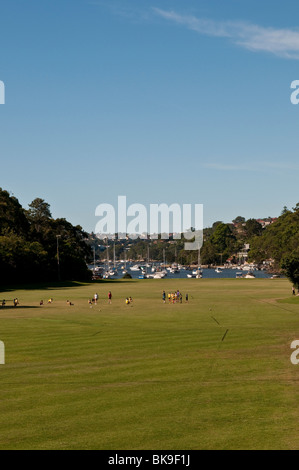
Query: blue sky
[{"x": 164, "y": 102}]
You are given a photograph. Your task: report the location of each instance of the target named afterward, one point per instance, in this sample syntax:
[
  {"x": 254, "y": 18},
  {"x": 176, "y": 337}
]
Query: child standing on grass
[{"x": 109, "y": 297}]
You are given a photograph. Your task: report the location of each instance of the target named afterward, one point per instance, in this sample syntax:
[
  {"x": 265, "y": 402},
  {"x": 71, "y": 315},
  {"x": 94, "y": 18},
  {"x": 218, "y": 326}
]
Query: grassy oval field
[{"x": 213, "y": 373}]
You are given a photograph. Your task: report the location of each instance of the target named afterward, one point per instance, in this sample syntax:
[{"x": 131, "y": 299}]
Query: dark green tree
[
  {"x": 285, "y": 210},
  {"x": 39, "y": 214},
  {"x": 290, "y": 267},
  {"x": 12, "y": 214},
  {"x": 208, "y": 253},
  {"x": 278, "y": 240},
  {"x": 252, "y": 228},
  {"x": 239, "y": 220},
  {"x": 28, "y": 243}
]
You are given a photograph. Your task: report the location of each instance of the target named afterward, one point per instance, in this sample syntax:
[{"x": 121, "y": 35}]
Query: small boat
[
  {"x": 196, "y": 274},
  {"x": 158, "y": 275},
  {"x": 248, "y": 267},
  {"x": 249, "y": 275},
  {"x": 136, "y": 267},
  {"x": 173, "y": 270}
]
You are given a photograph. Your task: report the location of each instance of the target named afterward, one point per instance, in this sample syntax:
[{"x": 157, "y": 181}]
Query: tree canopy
[
  {"x": 28, "y": 244},
  {"x": 290, "y": 267},
  {"x": 278, "y": 240}
]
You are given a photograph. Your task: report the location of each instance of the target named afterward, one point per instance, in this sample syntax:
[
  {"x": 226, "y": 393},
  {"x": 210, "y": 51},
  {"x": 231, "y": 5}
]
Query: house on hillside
[{"x": 268, "y": 221}]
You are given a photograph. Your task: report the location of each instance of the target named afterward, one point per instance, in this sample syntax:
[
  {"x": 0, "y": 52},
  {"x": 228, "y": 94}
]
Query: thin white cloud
[
  {"x": 256, "y": 166},
  {"x": 224, "y": 167},
  {"x": 280, "y": 166},
  {"x": 281, "y": 42}
]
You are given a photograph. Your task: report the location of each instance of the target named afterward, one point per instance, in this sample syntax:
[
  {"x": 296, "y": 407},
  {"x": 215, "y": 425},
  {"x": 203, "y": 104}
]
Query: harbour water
[{"x": 226, "y": 273}]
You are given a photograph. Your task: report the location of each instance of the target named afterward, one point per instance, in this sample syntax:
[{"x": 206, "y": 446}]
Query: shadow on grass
[
  {"x": 113, "y": 281},
  {"x": 61, "y": 285},
  {"x": 11, "y": 307},
  {"x": 42, "y": 285}
]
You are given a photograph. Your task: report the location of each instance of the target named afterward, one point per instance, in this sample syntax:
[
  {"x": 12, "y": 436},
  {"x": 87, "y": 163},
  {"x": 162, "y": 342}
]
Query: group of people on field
[
  {"x": 174, "y": 297},
  {"x": 95, "y": 298},
  {"x": 15, "y": 302}
]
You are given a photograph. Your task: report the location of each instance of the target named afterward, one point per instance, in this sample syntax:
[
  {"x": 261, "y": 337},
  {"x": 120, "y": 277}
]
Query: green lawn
[{"x": 211, "y": 374}]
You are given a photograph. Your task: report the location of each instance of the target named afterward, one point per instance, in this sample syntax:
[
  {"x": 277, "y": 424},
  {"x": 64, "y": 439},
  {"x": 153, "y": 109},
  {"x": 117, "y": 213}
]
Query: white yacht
[
  {"x": 249, "y": 275},
  {"x": 136, "y": 267},
  {"x": 196, "y": 274},
  {"x": 159, "y": 275}
]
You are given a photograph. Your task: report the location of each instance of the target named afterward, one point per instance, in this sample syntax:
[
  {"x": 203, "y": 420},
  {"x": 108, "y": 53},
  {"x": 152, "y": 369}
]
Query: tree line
[
  {"x": 36, "y": 247},
  {"x": 221, "y": 242},
  {"x": 277, "y": 243}
]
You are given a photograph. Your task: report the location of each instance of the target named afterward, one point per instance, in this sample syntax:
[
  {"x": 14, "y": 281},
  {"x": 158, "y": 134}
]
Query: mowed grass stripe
[{"x": 151, "y": 375}]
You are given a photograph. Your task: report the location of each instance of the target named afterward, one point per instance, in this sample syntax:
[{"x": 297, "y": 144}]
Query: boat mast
[
  {"x": 198, "y": 260},
  {"x": 107, "y": 254}
]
